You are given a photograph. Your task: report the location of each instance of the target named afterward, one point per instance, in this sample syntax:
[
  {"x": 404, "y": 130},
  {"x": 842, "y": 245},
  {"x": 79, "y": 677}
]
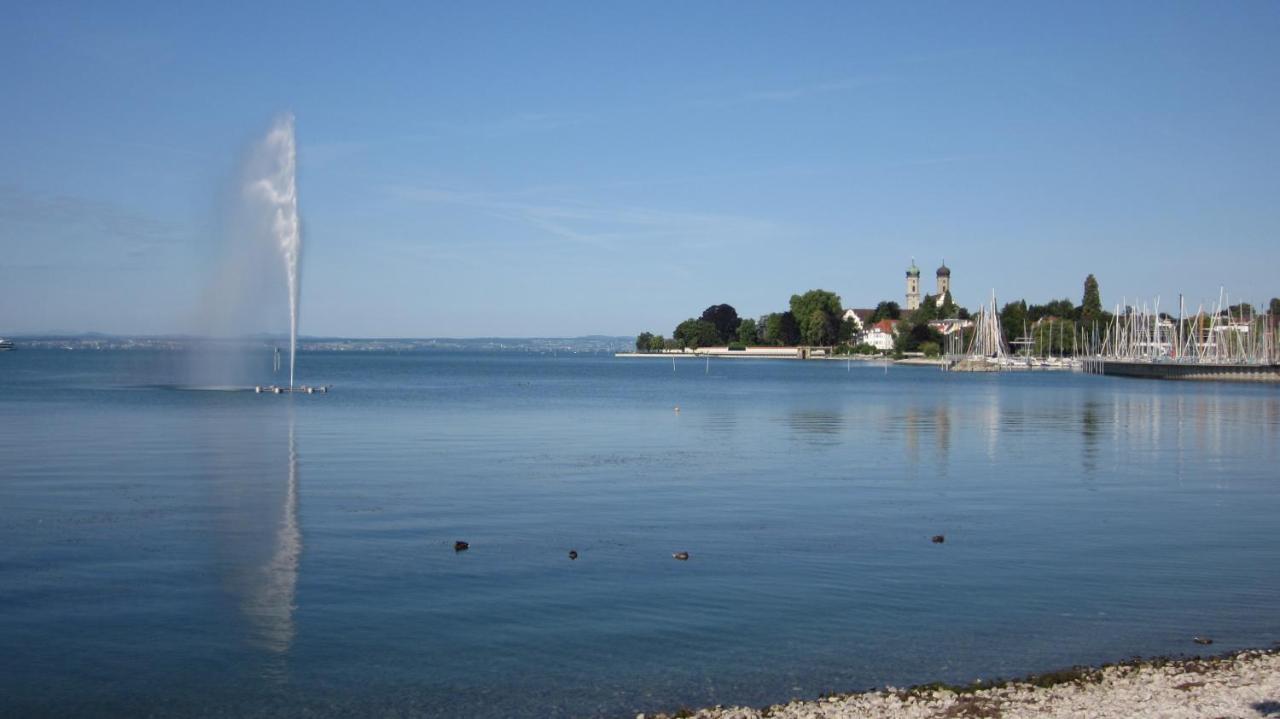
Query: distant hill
[{"x": 98, "y": 341}]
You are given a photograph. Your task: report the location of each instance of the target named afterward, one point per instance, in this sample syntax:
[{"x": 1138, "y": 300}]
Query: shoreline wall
[{"x": 1192, "y": 372}]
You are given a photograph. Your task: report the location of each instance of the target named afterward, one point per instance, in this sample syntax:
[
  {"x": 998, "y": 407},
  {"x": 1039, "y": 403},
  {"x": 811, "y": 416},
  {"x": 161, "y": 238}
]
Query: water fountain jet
[{"x": 277, "y": 186}]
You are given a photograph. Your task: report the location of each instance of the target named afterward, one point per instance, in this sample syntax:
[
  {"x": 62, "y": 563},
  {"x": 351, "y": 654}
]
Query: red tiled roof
[{"x": 885, "y": 326}]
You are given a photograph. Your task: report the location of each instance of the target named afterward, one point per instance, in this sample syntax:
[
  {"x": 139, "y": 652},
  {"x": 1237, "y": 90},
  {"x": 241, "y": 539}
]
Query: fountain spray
[{"x": 279, "y": 188}]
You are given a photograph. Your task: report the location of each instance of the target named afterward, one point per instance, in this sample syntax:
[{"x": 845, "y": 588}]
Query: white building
[{"x": 881, "y": 335}]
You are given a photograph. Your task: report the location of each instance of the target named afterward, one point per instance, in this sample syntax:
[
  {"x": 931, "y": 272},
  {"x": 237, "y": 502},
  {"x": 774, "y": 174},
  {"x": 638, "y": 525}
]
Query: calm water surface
[{"x": 213, "y": 553}]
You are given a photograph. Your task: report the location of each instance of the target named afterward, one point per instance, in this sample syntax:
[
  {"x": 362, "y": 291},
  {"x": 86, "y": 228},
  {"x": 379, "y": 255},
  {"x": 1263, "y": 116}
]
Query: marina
[{"x": 1227, "y": 343}]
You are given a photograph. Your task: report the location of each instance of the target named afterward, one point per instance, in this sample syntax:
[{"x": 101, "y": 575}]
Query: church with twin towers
[{"x": 913, "y": 284}]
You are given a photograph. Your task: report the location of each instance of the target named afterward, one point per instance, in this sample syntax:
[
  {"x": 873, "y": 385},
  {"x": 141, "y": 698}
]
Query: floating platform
[
  {"x": 1203, "y": 371},
  {"x": 297, "y": 389}
]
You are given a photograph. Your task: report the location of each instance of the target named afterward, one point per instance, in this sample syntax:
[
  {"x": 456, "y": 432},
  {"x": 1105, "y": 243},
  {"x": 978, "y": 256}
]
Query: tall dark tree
[
  {"x": 725, "y": 319},
  {"x": 1275, "y": 307},
  {"x": 643, "y": 341},
  {"x": 1091, "y": 303},
  {"x": 747, "y": 331}
]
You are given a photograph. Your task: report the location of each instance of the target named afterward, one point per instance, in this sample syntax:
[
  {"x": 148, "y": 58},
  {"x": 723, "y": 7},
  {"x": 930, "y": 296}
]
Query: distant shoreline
[{"x": 780, "y": 353}]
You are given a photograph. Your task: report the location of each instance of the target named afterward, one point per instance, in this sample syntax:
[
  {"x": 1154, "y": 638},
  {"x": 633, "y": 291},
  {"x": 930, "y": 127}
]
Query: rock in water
[
  {"x": 682, "y": 556},
  {"x": 460, "y": 546},
  {"x": 1202, "y": 640},
  {"x": 573, "y": 554},
  {"x": 938, "y": 539}
]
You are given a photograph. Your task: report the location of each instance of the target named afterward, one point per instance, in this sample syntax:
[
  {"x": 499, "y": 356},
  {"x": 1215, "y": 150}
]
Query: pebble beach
[{"x": 1242, "y": 684}]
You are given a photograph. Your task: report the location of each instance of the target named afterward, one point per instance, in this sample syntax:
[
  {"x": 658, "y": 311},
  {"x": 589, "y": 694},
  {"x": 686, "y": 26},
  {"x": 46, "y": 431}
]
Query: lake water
[{"x": 213, "y": 553}]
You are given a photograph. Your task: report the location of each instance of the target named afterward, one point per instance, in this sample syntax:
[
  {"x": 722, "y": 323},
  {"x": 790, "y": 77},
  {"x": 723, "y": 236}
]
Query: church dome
[
  {"x": 944, "y": 271},
  {"x": 913, "y": 271}
]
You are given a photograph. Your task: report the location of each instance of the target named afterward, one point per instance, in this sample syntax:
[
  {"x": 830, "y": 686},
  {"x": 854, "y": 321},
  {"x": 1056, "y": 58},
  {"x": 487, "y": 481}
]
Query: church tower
[
  {"x": 944, "y": 280},
  {"x": 913, "y": 286}
]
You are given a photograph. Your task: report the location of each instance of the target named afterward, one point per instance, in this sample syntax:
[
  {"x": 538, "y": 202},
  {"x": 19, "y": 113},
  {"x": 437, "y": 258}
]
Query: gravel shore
[{"x": 1245, "y": 684}]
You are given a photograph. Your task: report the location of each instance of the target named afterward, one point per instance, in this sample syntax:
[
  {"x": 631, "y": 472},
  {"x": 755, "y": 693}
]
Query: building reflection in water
[
  {"x": 913, "y": 427},
  {"x": 911, "y": 437},
  {"x": 1090, "y": 433},
  {"x": 987, "y": 419},
  {"x": 942, "y": 432},
  {"x": 816, "y": 426}
]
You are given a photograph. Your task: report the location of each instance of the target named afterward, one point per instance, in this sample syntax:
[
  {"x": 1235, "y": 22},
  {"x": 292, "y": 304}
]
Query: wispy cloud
[
  {"x": 318, "y": 154},
  {"x": 531, "y": 122},
  {"x": 135, "y": 235},
  {"x": 800, "y": 92},
  {"x": 603, "y": 227},
  {"x": 940, "y": 160}
]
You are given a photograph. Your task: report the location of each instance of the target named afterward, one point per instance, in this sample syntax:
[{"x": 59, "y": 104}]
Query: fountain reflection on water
[{"x": 269, "y": 593}]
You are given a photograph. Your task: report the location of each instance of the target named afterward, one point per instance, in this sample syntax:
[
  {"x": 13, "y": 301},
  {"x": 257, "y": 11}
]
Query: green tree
[
  {"x": 888, "y": 310},
  {"x": 725, "y": 319},
  {"x": 930, "y": 349},
  {"x": 1244, "y": 309},
  {"x": 1091, "y": 304},
  {"x": 947, "y": 310},
  {"x": 781, "y": 329},
  {"x": 927, "y": 311},
  {"x": 1061, "y": 309},
  {"x": 643, "y": 340},
  {"x": 1013, "y": 320},
  {"x": 1274, "y": 308},
  {"x": 1053, "y": 336},
  {"x": 818, "y": 330},
  {"x": 818, "y": 314},
  {"x": 657, "y": 343},
  {"x": 747, "y": 331},
  {"x": 848, "y": 329},
  {"x": 696, "y": 333},
  {"x": 911, "y": 335}
]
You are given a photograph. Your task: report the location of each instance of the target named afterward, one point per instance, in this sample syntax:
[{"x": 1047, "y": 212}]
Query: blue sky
[{"x": 527, "y": 169}]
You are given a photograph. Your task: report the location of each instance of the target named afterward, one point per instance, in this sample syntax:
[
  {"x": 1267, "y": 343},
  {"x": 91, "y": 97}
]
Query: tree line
[{"x": 816, "y": 318}]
